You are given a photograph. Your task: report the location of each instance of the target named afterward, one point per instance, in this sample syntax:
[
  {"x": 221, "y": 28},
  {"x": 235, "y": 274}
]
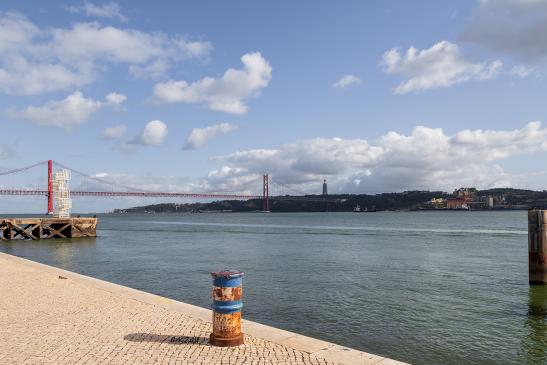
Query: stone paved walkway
[{"x": 47, "y": 318}]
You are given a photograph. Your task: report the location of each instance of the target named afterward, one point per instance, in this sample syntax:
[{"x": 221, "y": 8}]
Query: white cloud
[
  {"x": 91, "y": 42},
  {"x": 115, "y": 98},
  {"x": 153, "y": 134},
  {"x": 442, "y": 65},
  {"x": 18, "y": 76},
  {"x": 513, "y": 27},
  {"x": 106, "y": 10},
  {"x": 522, "y": 71},
  {"x": 200, "y": 136},
  {"x": 115, "y": 132},
  {"x": 36, "y": 60},
  {"x": 16, "y": 31},
  {"x": 68, "y": 113},
  {"x": 24, "y": 69},
  {"x": 227, "y": 93},
  {"x": 346, "y": 81},
  {"x": 428, "y": 158}
]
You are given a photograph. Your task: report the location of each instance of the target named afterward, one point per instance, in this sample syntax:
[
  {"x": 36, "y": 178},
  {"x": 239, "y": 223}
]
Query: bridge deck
[{"x": 45, "y": 228}]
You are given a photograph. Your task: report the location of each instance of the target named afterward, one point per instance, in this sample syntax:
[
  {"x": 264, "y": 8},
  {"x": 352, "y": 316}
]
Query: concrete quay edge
[{"x": 321, "y": 349}]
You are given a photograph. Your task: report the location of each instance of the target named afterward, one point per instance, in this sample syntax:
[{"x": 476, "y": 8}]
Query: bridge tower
[
  {"x": 265, "y": 193},
  {"x": 49, "y": 187}
]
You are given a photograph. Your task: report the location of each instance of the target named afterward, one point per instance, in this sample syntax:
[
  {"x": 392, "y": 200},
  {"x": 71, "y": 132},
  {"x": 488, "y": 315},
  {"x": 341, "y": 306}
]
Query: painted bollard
[{"x": 227, "y": 305}]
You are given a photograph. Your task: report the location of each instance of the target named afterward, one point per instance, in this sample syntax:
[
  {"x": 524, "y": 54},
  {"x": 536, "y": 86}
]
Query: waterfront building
[
  {"x": 438, "y": 203},
  {"x": 455, "y": 203},
  {"x": 325, "y": 191},
  {"x": 468, "y": 194}
]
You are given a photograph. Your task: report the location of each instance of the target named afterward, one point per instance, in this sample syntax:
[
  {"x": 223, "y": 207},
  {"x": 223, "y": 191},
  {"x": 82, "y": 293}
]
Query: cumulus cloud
[
  {"x": 427, "y": 158},
  {"x": 68, "y": 113},
  {"x": 18, "y": 76},
  {"x": 153, "y": 134},
  {"x": 346, "y": 81},
  {"x": 200, "y": 136},
  {"x": 36, "y": 60},
  {"x": 442, "y": 65},
  {"x": 115, "y": 132},
  {"x": 227, "y": 93},
  {"x": 107, "y": 10},
  {"x": 513, "y": 27}
]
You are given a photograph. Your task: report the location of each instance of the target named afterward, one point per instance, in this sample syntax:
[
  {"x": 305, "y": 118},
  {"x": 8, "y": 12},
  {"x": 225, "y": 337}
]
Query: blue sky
[{"x": 193, "y": 96}]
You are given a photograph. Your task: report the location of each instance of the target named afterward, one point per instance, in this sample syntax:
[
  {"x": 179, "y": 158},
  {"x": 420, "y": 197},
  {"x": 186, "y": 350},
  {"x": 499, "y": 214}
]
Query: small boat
[{"x": 357, "y": 209}]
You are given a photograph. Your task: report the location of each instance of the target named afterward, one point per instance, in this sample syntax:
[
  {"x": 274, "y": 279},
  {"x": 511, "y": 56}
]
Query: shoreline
[{"x": 256, "y": 333}]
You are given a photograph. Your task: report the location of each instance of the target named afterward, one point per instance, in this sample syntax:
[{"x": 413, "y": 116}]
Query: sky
[{"x": 374, "y": 96}]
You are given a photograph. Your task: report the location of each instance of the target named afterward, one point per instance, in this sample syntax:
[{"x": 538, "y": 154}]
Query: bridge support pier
[{"x": 537, "y": 246}]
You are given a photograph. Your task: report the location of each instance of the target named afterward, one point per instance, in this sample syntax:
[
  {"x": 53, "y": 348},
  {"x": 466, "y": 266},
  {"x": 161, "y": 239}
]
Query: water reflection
[
  {"x": 535, "y": 345},
  {"x": 65, "y": 249},
  {"x": 58, "y": 252}
]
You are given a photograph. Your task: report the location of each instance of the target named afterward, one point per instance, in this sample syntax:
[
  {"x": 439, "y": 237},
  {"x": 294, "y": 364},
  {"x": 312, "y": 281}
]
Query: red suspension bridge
[{"x": 93, "y": 186}]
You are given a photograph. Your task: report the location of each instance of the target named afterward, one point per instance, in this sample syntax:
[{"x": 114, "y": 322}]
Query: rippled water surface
[{"x": 423, "y": 287}]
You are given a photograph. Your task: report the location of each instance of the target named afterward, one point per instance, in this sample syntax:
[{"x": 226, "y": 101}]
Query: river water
[{"x": 421, "y": 287}]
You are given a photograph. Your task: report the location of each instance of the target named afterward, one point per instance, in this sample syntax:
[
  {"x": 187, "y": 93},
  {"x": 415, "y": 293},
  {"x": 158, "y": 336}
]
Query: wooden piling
[
  {"x": 45, "y": 228},
  {"x": 537, "y": 246}
]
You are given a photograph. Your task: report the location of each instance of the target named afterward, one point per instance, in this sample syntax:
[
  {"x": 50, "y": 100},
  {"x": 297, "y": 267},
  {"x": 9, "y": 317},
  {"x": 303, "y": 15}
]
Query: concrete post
[
  {"x": 227, "y": 305},
  {"x": 537, "y": 246}
]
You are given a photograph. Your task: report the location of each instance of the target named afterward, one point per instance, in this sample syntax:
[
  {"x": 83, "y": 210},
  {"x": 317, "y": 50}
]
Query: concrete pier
[
  {"x": 537, "y": 246},
  {"x": 53, "y": 316}
]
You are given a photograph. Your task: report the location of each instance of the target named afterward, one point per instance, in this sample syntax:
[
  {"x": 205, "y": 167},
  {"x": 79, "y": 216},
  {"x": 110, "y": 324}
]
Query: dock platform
[
  {"x": 53, "y": 316},
  {"x": 46, "y": 228}
]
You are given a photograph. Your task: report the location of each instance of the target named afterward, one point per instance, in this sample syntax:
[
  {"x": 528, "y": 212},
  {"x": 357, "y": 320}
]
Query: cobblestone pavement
[{"x": 47, "y": 319}]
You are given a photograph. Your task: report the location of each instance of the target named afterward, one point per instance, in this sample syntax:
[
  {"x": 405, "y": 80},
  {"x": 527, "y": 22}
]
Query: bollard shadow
[{"x": 169, "y": 339}]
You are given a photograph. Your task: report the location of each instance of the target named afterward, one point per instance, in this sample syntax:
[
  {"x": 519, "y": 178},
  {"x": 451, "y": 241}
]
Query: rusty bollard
[{"x": 227, "y": 305}]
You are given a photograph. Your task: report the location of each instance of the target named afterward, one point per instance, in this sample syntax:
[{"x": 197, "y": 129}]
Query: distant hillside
[{"x": 409, "y": 200}]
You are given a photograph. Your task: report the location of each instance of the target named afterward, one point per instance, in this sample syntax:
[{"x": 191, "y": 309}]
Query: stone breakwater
[{"x": 53, "y": 316}]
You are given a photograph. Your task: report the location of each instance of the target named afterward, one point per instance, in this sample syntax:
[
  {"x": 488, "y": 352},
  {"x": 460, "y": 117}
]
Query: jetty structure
[
  {"x": 45, "y": 228},
  {"x": 60, "y": 225}
]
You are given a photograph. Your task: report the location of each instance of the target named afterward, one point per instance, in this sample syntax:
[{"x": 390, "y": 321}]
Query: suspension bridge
[{"x": 33, "y": 181}]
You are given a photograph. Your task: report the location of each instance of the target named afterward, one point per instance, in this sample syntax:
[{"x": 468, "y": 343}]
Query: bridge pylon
[
  {"x": 49, "y": 187},
  {"x": 265, "y": 193}
]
